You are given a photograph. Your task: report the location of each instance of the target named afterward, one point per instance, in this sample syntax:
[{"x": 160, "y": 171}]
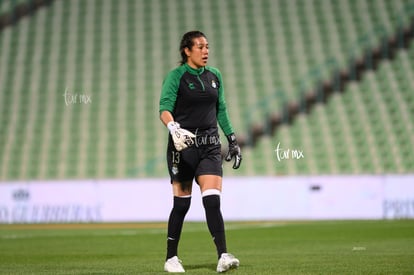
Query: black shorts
[{"x": 202, "y": 158}]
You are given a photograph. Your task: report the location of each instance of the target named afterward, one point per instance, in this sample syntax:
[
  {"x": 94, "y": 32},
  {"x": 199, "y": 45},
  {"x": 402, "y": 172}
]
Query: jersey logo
[
  {"x": 191, "y": 86},
  {"x": 214, "y": 84}
]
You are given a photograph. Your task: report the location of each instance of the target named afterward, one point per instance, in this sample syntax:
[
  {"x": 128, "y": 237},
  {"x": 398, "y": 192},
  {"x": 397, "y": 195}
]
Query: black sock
[
  {"x": 215, "y": 222},
  {"x": 175, "y": 224}
]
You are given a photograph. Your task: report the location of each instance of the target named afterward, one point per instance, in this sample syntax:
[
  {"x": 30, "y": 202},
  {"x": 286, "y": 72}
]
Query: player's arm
[
  {"x": 166, "y": 117},
  {"x": 181, "y": 137},
  {"x": 225, "y": 124},
  {"x": 169, "y": 95}
]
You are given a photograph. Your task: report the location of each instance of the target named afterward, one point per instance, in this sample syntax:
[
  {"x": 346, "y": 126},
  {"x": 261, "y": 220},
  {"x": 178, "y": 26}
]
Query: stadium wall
[{"x": 244, "y": 198}]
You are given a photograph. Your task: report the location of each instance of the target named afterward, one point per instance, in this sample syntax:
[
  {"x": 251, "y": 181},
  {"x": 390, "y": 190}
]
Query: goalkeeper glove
[
  {"x": 182, "y": 138},
  {"x": 234, "y": 151}
]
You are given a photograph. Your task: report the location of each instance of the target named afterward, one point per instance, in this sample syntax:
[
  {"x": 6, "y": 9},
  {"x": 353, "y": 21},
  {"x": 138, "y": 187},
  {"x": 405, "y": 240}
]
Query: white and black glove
[
  {"x": 182, "y": 138},
  {"x": 234, "y": 151}
]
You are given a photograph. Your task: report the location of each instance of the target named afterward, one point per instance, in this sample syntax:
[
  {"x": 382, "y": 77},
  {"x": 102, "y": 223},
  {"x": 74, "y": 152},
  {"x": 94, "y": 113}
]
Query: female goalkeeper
[{"x": 191, "y": 104}]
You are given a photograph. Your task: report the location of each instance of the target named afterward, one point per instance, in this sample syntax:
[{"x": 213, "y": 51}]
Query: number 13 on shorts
[
  {"x": 175, "y": 157},
  {"x": 175, "y": 160}
]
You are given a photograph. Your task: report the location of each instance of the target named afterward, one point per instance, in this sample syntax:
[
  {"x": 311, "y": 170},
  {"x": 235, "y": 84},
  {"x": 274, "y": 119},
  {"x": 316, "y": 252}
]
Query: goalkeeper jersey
[{"x": 195, "y": 98}]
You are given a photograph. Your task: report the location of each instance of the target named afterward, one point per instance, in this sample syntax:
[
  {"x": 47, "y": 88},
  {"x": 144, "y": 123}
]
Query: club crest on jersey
[
  {"x": 191, "y": 86},
  {"x": 214, "y": 84}
]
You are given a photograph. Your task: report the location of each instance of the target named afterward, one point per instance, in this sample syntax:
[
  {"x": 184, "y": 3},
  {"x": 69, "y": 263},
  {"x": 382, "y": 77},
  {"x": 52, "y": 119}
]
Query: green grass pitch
[{"x": 308, "y": 247}]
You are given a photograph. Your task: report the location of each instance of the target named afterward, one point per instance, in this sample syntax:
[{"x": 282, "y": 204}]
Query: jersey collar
[{"x": 194, "y": 71}]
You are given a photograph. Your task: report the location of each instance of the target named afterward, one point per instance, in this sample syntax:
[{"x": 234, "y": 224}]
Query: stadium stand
[
  {"x": 81, "y": 81},
  {"x": 12, "y": 10}
]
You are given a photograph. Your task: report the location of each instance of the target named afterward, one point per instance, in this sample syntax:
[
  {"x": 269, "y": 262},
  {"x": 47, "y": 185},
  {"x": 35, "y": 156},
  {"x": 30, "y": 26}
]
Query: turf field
[{"x": 324, "y": 247}]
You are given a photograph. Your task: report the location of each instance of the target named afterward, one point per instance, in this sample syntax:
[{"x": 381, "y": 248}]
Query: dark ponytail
[{"x": 187, "y": 42}]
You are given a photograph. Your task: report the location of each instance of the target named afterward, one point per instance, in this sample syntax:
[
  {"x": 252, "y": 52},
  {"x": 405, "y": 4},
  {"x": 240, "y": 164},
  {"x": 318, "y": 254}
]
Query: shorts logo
[{"x": 174, "y": 170}]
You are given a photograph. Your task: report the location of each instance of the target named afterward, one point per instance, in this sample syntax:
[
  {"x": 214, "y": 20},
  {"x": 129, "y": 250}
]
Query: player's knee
[
  {"x": 182, "y": 204},
  {"x": 211, "y": 198}
]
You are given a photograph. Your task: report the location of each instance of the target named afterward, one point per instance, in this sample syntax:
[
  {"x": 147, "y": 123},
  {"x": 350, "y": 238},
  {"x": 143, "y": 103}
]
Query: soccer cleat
[
  {"x": 227, "y": 262},
  {"x": 174, "y": 265}
]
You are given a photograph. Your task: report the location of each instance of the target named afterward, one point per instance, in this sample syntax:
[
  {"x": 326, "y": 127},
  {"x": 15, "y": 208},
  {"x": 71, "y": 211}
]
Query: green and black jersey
[{"x": 195, "y": 98}]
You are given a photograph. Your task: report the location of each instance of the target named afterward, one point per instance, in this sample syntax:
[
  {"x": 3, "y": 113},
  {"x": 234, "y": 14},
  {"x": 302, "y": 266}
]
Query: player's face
[{"x": 198, "y": 54}]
